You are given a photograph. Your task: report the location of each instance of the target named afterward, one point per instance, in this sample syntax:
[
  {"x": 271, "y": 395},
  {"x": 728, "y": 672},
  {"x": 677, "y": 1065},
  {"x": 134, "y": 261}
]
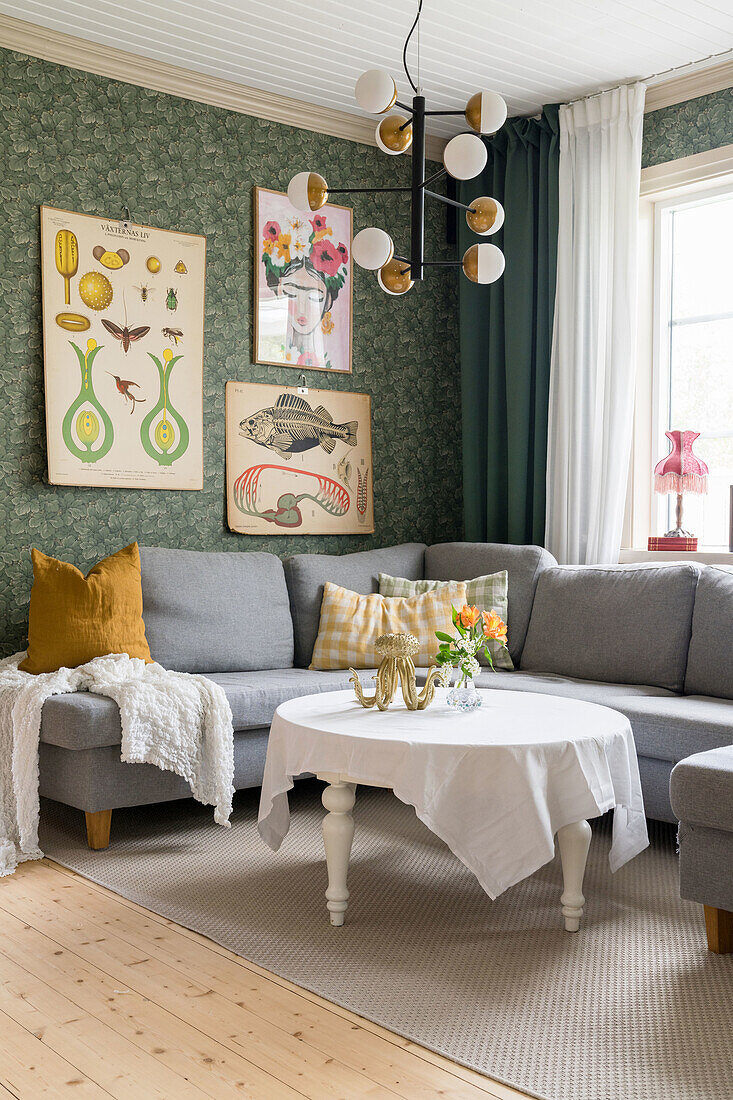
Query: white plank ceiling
[{"x": 532, "y": 51}]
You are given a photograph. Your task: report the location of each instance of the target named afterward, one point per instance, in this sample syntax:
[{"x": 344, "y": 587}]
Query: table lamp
[{"x": 681, "y": 472}]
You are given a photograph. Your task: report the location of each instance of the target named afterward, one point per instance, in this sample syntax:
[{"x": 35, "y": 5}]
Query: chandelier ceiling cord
[{"x": 464, "y": 158}]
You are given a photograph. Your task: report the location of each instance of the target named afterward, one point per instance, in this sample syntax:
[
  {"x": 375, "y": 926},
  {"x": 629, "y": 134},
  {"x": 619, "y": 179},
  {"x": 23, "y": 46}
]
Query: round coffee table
[{"x": 497, "y": 785}]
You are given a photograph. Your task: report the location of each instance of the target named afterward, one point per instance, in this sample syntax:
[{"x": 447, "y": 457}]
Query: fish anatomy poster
[
  {"x": 298, "y": 462},
  {"x": 123, "y": 345}
]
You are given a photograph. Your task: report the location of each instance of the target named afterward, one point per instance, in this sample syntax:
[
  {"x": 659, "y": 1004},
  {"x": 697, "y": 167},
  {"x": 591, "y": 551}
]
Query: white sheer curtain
[{"x": 593, "y": 347}]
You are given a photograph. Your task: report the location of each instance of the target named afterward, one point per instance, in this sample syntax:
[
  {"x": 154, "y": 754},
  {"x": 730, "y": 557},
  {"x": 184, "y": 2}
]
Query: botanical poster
[
  {"x": 298, "y": 462},
  {"x": 303, "y": 284},
  {"x": 123, "y": 338}
]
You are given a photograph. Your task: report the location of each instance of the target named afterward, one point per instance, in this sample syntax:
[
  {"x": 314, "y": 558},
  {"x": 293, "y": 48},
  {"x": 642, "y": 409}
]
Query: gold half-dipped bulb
[
  {"x": 483, "y": 263},
  {"x": 317, "y": 191},
  {"x": 394, "y": 277},
  {"x": 485, "y": 216},
  {"x": 394, "y": 134}
]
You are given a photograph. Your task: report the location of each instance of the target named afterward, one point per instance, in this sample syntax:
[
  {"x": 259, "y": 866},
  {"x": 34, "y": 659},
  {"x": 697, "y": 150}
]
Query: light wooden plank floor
[{"x": 101, "y": 997}]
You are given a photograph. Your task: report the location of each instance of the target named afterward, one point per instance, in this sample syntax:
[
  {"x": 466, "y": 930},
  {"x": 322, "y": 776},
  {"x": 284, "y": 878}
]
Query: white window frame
[{"x": 705, "y": 175}]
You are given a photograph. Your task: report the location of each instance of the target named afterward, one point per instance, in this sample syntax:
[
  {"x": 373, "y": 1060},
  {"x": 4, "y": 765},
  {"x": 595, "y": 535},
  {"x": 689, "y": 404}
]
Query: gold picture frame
[{"x": 297, "y": 264}]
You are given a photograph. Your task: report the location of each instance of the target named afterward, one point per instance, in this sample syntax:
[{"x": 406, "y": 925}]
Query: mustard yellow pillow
[
  {"x": 351, "y": 623},
  {"x": 74, "y": 618}
]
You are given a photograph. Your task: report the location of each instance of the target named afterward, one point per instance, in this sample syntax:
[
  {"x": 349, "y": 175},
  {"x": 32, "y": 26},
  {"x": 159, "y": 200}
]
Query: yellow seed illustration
[
  {"x": 95, "y": 290},
  {"x": 153, "y": 264},
  {"x": 67, "y": 259},
  {"x": 87, "y": 427},
  {"x": 181, "y": 268},
  {"x": 72, "y": 322},
  {"x": 113, "y": 260},
  {"x": 165, "y": 435}
]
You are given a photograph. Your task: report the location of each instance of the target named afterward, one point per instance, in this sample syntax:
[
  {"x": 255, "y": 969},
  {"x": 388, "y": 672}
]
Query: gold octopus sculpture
[{"x": 397, "y": 651}]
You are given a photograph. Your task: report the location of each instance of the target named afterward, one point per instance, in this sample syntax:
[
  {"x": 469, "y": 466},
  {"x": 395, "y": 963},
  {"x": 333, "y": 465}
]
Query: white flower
[
  {"x": 300, "y": 235},
  {"x": 444, "y": 675}
]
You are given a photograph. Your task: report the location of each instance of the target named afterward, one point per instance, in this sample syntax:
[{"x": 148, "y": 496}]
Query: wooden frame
[
  {"x": 312, "y": 476},
  {"x": 257, "y": 225},
  {"x": 121, "y": 450}
]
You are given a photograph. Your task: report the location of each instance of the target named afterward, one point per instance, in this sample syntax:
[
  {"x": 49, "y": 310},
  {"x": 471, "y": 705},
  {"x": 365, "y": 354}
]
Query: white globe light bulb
[
  {"x": 485, "y": 216},
  {"x": 308, "y": 191},
  {"x": 465, "y": 156},
  {"x": 483, "y": 263},
  {"x": 375, "y": 91},
  {"x": 372, "y": 248},
  {"x": 486, "y": 112}
]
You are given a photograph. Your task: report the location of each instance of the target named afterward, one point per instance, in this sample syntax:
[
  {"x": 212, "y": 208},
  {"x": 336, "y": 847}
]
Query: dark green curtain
[{"x": 506, "y": 337}]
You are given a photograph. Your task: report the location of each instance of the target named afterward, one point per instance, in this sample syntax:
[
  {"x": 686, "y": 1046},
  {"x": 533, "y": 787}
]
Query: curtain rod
[{"x": 656, "y": 77}]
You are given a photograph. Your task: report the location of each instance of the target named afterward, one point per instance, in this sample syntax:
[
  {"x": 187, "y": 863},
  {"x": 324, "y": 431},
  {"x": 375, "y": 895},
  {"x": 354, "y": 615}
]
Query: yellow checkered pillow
[{"x": 351, "y": 623}]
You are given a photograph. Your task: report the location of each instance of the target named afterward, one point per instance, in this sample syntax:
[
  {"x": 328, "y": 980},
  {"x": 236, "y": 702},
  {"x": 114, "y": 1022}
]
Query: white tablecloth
[{"x": 495, "y": 784}]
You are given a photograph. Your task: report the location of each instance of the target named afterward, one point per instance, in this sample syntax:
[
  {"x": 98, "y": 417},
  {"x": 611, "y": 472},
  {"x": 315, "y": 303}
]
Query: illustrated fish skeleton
[{"x": 291, "y": 426}]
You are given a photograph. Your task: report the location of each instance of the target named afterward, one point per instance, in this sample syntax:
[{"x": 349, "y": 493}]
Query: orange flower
[
  {"x": 494, "y": 627},
  {"x": 468, "y": 616},
  {"x": 283, "y": 247}
]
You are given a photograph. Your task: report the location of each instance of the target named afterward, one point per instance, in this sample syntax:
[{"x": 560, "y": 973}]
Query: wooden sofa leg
[
  {"x": 98, "y": 828},
  {"x": 719, "y": 927}
]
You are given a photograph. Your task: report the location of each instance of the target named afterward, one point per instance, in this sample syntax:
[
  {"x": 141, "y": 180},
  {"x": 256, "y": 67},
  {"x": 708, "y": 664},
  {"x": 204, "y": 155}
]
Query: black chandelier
[{"x": 464, "y": 158}]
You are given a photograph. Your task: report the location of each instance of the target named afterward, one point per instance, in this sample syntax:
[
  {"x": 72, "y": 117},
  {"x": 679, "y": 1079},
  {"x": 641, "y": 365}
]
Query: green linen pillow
[{"x": 489, "y": 593}]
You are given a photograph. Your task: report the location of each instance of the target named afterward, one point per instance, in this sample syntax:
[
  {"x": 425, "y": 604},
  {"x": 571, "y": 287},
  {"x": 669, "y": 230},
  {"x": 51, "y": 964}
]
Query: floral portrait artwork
[{"x": 303, "y": 284}]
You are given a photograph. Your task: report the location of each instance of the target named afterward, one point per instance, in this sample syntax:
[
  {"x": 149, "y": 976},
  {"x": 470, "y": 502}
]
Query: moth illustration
[{"x": 126, "y": 335}]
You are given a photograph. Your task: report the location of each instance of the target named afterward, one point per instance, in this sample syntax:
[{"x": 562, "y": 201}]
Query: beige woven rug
[{"x": 631, "y": 1008}]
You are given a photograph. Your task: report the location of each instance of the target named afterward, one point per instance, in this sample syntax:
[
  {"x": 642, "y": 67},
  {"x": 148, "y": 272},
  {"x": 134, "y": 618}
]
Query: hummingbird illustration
[{"x": 123, "y": 387}]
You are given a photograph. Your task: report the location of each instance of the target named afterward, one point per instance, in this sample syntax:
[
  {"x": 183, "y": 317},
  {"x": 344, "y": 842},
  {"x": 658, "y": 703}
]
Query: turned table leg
[
  {"x": 574, "y": 842},
  {"x": 98, "y": 828},
  {"x": 338, "y": 832}
]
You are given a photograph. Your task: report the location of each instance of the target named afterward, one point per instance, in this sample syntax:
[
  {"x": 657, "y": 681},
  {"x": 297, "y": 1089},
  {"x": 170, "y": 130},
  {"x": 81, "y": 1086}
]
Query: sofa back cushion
[
  {"x": 307, "y": 573},
  {"x": 216, "y": 612},
  {"x": 619, "y": 624},
  {"x": 710, "y": 660},
  {"x": 462, "y": 561}
]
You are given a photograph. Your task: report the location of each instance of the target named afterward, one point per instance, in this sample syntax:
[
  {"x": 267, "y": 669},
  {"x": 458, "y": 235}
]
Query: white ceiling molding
[
  {"x": 677, "y": 89},
  {"x": 134, "y": 68},
  {"x": 77, "y": 53}
]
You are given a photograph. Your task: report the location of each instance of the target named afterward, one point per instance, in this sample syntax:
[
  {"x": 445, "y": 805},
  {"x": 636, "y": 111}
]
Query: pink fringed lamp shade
[{"x": 681, "y": 471}]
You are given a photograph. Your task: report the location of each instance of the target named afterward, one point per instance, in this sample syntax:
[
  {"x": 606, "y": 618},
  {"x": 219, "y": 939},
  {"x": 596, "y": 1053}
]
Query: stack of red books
[{"x": 676, "y": 544}]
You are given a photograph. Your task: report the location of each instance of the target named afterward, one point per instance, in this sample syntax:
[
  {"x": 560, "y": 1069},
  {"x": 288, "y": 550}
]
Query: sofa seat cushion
[
  {"x": 701, "y": 789},
  {"x": 216, "y": 612},
  {"x": 625, "y": 624},
  {"x": 666, "y": 726},
  {"x": 82, "y": 720}
]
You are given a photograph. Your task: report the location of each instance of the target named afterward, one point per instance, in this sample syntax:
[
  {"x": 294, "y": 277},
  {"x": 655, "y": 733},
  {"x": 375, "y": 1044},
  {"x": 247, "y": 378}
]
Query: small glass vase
[{"x": 464, "y": 696}]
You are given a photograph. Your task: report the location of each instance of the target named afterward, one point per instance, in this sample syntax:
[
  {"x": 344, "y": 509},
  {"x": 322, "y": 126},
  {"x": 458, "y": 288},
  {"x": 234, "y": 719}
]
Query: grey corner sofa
[{"x": 653, "y": 641}]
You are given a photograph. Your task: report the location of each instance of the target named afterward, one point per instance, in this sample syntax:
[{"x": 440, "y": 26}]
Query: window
[
  {"x": 695, "y": 349},
  {"x": 684, "y": 377}
]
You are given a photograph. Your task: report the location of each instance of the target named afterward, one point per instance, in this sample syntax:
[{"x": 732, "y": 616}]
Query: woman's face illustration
[{"x": 306, "y": 297}]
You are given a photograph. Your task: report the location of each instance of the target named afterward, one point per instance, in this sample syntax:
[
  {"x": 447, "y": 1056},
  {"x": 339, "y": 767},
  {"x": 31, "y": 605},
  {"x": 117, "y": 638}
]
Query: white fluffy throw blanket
[{"x": 180, "y": 723}]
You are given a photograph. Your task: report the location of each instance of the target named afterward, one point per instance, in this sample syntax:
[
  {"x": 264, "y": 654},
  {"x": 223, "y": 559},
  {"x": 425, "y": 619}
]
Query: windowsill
[{"x": 707, "y": 555}]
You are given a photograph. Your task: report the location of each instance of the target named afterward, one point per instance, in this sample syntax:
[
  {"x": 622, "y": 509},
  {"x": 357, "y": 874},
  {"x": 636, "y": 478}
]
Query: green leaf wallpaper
[
  {"x": 687, "y": 128},
  {"x": 82, "y": 142}
]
